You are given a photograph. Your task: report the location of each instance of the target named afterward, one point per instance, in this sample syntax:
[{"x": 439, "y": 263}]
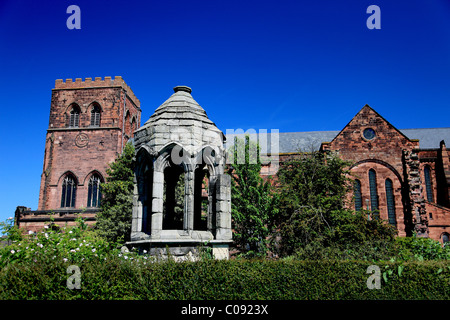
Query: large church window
[
  {"x": 94, "y": 192},
  {"x": 69, "y": 191},
  {"x": 357, "y": 194},
  {"x": 373, "y": 190},
  {"x": 428, "y": 187},
  {"x": 390, "y": 200}
]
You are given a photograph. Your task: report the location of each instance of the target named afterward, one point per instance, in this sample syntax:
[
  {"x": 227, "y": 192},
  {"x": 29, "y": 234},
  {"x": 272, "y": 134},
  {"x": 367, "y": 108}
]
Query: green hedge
[{"x": 235, "y": 279}]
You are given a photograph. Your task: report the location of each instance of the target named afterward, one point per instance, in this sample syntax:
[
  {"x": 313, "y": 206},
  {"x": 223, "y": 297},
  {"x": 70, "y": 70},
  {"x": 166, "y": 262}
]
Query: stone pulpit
[{"x": 182, "y": 198}]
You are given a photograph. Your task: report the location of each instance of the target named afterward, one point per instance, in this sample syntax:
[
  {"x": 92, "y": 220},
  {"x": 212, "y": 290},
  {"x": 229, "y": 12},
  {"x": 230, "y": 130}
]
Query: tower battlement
[{"x": 98, "y": 82}]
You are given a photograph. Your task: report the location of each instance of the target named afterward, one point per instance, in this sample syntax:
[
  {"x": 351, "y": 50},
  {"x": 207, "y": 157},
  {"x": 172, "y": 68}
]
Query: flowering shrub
[{"x": 71, "y": 245}]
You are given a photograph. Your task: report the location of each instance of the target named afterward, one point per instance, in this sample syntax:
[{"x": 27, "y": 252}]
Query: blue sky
[{"x": 287, "y": 65}]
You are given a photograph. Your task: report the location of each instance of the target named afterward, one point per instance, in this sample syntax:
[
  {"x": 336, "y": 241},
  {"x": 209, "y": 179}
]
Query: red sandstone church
[{"x": 404, "y": 174}]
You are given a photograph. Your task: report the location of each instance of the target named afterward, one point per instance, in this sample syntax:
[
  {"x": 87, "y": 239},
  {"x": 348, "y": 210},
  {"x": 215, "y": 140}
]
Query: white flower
[
  {"x": 72, "y": 250},
  {"x": 30, "y": 232},
  {"x": 125, "y": 257},
  {"x": 93, "y": 250},
  {"x": 46, "y": 235},
  {"x": 12, "y": 251},
  {"x": 70, "y": 231},
  {"x": 145, "y": 251},
  {"x": 73, "y": 239},
  {"x": 46, "y": 227},
  {"x": 10, "y": 218},
  {"x": 65, "y": 259}
]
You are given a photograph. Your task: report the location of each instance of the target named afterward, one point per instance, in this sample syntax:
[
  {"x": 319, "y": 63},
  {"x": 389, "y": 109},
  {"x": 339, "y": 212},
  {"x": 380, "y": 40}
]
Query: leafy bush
[
  {"x": 314, "y": 220},
  {"x": 413, "y": 248},
  {"x": 238, "y": 279},
  {"x": 312, "y": 191},
  {"x": 253, "y": 202},
  {"x": 114, "y": 220}
]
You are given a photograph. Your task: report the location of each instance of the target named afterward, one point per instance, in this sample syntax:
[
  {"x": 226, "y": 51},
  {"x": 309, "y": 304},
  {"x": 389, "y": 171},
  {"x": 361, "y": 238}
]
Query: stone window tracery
[
  {"x": 390, "y": 200},
  {"x": 95, "y": 116},
  {"x": 445, "y": 237},
  {"x": 94, "y": 192},
  {"x": 373, "y": 190},
  {"x": 74, "y": 117},
  {"x": 69, "y": 191},
  {"x": 358, "y": 196},
  {"x": 428, "y": 186},
  {"x": 369, "y": 134}
]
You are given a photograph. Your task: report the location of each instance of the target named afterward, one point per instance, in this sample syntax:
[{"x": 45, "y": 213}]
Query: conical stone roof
[
  {"x": 180, "y": 119},
  {"x": 179, "y": 106}
]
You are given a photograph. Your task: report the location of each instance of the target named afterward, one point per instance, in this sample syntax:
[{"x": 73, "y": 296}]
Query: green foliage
[
  {"x": 253, "y": 202},
  {"x": 413, "y": 248},
  {"x": 356, "y": 228},
  {"x": 35, "y": 267},
  {"x": 9, "y": 230},
  {"x": 72, "y": 245},
  {"x": 314, "y": 219},
  {"x": 239, "y": 279},
  {"x": 114, "y": 220},
  {"x": 312, "y": 192}
]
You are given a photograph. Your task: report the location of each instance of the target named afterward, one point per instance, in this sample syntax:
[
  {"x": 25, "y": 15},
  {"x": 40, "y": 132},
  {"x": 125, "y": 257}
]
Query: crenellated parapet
[{"x": 98, "y": 82}]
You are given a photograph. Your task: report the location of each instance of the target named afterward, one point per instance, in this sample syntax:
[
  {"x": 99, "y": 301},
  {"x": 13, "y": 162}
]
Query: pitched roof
[{"x": 429, "y": 138}]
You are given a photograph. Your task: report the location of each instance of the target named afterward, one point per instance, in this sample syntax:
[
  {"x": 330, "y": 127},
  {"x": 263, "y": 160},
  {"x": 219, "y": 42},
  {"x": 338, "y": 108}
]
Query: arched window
[
  {"x": 373, "y": 190},
  {"x": 74, "y": 117},
  {"x": 429, "y": 189},
  {"x": 173, "y": 197},
  {"x": 69, "y": 192},
  {"x": 133, "y": 125},
  {"x": 358, "y": 196},
  {"x": 445, "y": 238},
  {"x": 95, "y": 116},
  {"x": 390, "y": 200},
  {"x": 127, "y": 126},
  {"x": 94, "y": 192}
]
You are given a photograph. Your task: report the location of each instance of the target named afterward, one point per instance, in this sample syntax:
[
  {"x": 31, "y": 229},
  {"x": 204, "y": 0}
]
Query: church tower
[{"x": 90, "y": 122}]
